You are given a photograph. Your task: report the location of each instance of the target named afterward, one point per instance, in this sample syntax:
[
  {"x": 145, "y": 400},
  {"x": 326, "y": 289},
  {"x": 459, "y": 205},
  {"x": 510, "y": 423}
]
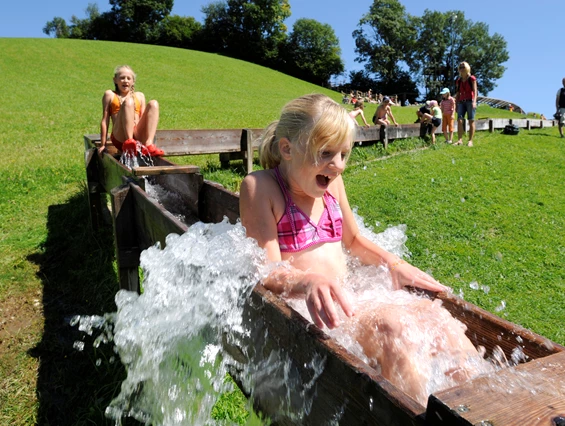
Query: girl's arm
[
  {"x": 258, "y": 218},
  {"x": 392, "y": 116},
  {"x": 105, "y": 122},
  {"x": 363, "y": 117},
  {"x": 475, "y": 92},
  {"x": 403, "y": 274}
]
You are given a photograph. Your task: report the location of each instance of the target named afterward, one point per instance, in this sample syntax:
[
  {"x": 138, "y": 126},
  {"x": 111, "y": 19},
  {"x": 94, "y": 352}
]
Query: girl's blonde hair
[
  {"x": 117, "y": 70},
  {"x": 466, "y": 66},
  {"x": 312, "y": 123},
  {"x": 360, "y": 104}
]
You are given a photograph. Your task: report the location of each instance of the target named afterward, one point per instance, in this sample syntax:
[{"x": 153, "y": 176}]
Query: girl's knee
[{"x": 153, "y": 104}]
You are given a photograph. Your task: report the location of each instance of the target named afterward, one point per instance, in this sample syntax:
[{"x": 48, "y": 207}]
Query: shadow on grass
[{"x": 76, "y": 268}]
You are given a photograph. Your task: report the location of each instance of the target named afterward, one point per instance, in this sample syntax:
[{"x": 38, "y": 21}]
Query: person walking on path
[
  {"x": 466, "y": 98},
  {"x": 560, "y": 107}
]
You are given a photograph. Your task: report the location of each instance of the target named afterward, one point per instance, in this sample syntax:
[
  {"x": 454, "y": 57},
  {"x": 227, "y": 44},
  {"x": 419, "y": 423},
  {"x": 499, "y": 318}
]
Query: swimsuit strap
[{"x": 287, "y": 199}]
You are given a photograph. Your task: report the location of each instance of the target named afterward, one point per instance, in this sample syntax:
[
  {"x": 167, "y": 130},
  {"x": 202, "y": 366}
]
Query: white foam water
[{"x": 172, "y": 338}]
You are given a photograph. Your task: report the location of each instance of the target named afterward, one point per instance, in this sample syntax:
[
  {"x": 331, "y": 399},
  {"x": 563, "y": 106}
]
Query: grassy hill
[{"x": 52, "y": 266}]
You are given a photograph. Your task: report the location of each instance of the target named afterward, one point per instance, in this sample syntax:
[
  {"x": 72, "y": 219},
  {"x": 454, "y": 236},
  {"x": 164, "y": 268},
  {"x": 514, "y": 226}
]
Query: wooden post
[
  {"x": 528, "y": 125},
  {"x": 125, "y": 238},
  {"x": 491, "y": 125},
  {"x": 383, "y": 134},
  {"x": 247, "y": 141},
  {"x": 94, "y": 188}
]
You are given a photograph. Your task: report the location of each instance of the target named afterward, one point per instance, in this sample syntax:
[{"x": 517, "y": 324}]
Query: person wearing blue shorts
[{"x": 466, "y": 98}]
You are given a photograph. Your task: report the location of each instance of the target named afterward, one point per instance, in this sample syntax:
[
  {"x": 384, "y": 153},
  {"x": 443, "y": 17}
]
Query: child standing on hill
[
  {"x": 132, "y": 120},
  {"x": 297, "y": 210},
  {"x": 448, "y": 114}
]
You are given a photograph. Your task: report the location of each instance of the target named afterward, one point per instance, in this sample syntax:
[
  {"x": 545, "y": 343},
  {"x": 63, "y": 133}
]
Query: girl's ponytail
[{"x": 269, "y": 154}]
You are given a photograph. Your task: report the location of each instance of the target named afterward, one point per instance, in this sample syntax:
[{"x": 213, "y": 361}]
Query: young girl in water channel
[
  {"x": 297, "y": 210},
  {"x": 132, "y": 119}
]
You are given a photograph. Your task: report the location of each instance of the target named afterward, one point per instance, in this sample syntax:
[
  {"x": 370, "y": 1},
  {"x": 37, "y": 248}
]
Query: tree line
[{"x": 400, "y": 52}]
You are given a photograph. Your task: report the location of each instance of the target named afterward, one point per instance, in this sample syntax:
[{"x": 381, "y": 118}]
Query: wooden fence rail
[{"x": 234, "y": 144}]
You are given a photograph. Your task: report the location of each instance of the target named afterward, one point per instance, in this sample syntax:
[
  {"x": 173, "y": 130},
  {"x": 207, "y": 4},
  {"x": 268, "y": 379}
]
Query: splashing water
[
  {"x": 172, "y": 338},
  {"x": 133, "y": 160}
]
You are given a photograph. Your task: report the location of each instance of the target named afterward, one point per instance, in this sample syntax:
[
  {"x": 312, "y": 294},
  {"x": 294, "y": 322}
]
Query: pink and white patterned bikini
[{"x": 297, "y": 232}]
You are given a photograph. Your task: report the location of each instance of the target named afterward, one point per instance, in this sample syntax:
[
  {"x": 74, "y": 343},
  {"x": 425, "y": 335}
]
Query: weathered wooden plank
[
  {"x": 520, "y": 122},
  {"x": 185, "y": 186},
  {"x": 215, "y": 202},
  {"x": 125, "y": 237},
  {"x": 347, "y": 391},
  {"x": 500, "y": 123},
  {"x": 530, "y": 394},
  {"x": 482, "y": 125},
  {"x": 488, "y": 330},
  {"x": 152, "y": 221},
  {"x": 163, "y": 170},
  {"x": 199, "y": 141}
]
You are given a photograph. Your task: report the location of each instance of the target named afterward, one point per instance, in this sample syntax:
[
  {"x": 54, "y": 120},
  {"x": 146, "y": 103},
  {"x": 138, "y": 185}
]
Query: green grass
[{"x": 507, "y": 234}]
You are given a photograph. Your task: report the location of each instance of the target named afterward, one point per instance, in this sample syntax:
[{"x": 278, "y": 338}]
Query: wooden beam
[
  {"x": 125, "y": 238},
  {"x": 529, "y": 394},
  {"x": 163, "y": 170}
]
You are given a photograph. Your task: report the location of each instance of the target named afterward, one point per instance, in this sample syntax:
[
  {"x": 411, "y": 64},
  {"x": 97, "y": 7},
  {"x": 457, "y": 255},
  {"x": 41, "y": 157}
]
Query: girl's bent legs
[
  {"x": 410, "y": 342},
  {"x": 125, "y": 121},
  {"x": 147, "y": 126}
]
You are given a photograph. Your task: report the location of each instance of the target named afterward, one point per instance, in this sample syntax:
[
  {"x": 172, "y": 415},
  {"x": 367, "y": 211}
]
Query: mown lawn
[{"x": 492, "y": 214}]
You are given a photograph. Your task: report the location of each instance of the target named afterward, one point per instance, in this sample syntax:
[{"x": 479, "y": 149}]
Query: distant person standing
[
  {"x": 560, "y": 107},
  {"x": 448, "y": 114},
  {"x": 466, "y": 98}
]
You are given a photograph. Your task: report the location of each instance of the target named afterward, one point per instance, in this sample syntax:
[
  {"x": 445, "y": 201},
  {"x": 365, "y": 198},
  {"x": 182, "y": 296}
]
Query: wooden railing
[{"x": 234, "y": 144}]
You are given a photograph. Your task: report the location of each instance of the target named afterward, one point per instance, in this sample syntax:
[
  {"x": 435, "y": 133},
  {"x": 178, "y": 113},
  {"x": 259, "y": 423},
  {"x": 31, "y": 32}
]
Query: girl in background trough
[{"x": 132, "y": 119}]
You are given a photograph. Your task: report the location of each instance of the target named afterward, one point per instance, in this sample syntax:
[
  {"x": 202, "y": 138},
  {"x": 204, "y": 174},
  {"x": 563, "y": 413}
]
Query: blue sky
[{"x": 533, "y": 31}]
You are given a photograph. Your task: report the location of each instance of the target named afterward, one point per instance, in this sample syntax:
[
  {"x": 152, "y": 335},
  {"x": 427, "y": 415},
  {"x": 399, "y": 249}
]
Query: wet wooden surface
[{"x": 530, "y": 394}]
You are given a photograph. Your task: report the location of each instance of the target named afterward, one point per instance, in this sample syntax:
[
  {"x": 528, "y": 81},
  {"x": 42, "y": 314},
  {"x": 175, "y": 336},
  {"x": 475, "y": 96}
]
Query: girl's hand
[
  {"x": 320, "y": 296},
  {"x": 403, "y": 274}
]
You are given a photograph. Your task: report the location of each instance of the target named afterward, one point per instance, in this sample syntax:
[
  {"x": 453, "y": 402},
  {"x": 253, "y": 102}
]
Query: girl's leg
[
  {"x": 124, "y": 124},
  {"x": 406, "y": 341},
  {"x": 147, "y": 126}
]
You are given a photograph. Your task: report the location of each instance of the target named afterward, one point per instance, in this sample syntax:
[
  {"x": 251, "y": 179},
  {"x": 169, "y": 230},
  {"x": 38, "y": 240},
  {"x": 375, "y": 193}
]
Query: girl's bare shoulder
[{"x": 260, "y": 181}]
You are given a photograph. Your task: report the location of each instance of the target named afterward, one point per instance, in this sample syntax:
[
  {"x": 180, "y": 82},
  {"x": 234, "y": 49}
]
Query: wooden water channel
[{"x": 347, "y": 385}]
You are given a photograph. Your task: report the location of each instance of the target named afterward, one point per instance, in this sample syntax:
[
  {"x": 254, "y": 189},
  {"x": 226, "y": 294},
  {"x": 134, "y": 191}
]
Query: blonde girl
[
  {"x": 466, "y": 98},
  {"x": 297, "y": 210},
  {"x": 132, "y": 119}
]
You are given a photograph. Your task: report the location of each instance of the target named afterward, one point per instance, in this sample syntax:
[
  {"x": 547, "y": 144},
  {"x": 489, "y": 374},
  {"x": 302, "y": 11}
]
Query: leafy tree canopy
[
  {"x": 314, "y": 52},
  {"x": 388, "y": 40}
]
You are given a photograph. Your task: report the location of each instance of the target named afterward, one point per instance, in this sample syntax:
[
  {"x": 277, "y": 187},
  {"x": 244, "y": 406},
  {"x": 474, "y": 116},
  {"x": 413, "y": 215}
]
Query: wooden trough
[{"x": 348, "y": 390}]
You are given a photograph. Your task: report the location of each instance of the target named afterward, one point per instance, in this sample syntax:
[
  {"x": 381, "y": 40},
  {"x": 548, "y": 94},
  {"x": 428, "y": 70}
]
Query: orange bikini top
[{"x": 115, "y": 105}]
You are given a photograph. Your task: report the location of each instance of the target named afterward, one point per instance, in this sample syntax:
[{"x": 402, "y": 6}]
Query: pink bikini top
[{"x": 297, "y": 232}]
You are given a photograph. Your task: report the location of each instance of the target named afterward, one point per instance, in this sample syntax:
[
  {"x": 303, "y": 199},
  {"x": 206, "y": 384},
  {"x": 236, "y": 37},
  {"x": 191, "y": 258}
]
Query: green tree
[
  {"x": 252, "y": 30},
  {"x": 57, "y": 28},
  {"x": 383, "y": 39},
  {"x": 313, "y": 52},
  {"x": 138, "y": 20},
  {"x": 444, "y": 40},
  {"x": 179, "y": 31}
]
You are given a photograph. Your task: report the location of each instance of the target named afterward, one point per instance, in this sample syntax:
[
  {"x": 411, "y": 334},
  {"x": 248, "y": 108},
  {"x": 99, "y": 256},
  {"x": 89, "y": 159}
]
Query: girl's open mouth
[{"x": 323, "y": 180}]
